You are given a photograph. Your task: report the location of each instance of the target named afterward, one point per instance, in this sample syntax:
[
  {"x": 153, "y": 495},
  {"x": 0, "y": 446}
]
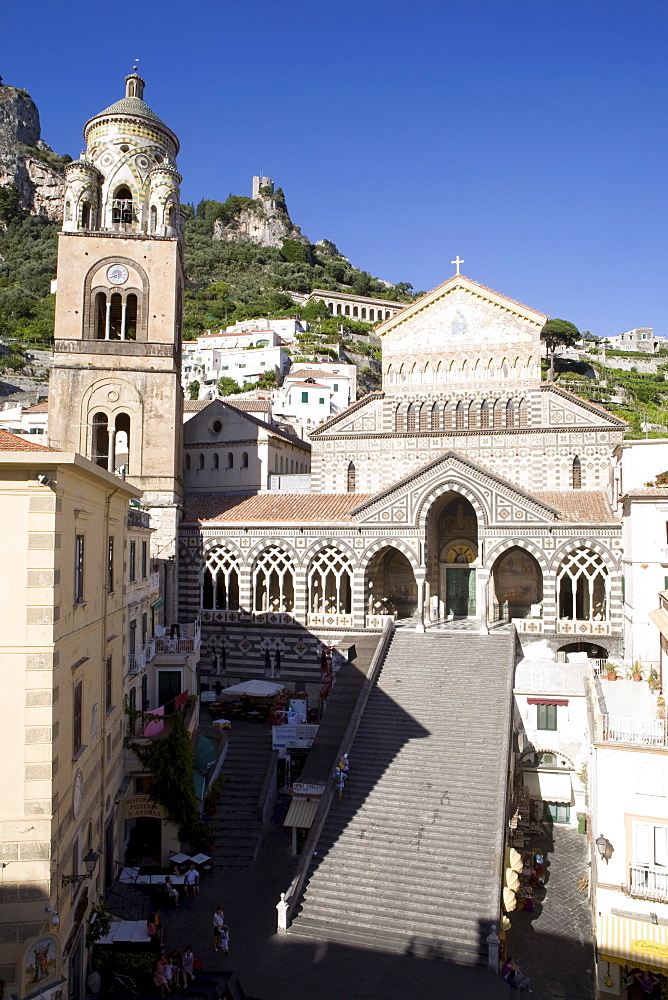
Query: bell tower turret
[{"x": 115, "y": 392}]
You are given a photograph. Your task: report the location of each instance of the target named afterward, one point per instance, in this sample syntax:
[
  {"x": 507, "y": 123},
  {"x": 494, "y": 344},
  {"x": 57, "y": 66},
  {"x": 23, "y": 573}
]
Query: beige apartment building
[{"x": 63, "y": 599}]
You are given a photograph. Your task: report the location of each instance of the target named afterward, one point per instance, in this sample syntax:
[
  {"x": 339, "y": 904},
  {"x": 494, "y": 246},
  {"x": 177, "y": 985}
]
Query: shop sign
[
  {"x": 651, "y": 948},
  {"x": 293, "y": 736},
  {"x": 139, "y": 806},
  {"x": 303, "y": 788}
]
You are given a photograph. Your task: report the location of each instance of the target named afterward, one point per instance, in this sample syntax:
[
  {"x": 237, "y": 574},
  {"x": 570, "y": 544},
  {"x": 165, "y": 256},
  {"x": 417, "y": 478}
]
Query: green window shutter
[
  {"x": 321, "y": 400},
  {"x": 546, "y": 717},
  {"x": 305, "y": 397}
]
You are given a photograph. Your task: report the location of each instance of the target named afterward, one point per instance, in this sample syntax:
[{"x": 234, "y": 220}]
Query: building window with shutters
[
  {"x": 110, "y": 565},
  {"x": 108, "y": 685},
  {"x": 144, "y": 559},
  {"x": 546, "y": 717},
  {"x": 133, "y": 560},
  {"x": 77, "y": 710},
  {"x": 648, "y": 875},
  {"x": 79, "y": 570}
]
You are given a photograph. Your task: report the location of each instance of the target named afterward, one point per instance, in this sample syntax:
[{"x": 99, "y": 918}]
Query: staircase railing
[{"x": 289, "y": 900}]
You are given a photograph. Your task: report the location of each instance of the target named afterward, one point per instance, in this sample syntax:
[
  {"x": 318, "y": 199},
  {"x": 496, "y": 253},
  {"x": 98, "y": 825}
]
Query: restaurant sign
[
  {"x": 139, "y": 806},
  {"x": 651, "y": 948},
  {"x": 293, "y": 736},
  {"x": 303, "y": 788}
]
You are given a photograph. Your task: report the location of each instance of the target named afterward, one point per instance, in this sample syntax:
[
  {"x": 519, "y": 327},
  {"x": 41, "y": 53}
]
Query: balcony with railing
[
  {"x": 179, "y": 638},
  {"x": 638, "y": 731},
  {"x": 138, "y": 662},
  {"x": 646, "y": 883},
  {"x": 138, "y": 518}
]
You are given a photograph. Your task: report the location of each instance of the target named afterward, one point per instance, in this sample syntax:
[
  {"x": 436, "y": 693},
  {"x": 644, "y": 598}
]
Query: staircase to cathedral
[
  {"x": 237, "y": 826},
  {"x": 410, "y": 860}
]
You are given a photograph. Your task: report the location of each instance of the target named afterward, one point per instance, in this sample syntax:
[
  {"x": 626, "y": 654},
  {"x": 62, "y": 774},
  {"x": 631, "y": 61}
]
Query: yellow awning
[
  {"x": 301, "y": 813},
  {"x": 633, "y": 942},
  {"x": 660, "y": 619}
]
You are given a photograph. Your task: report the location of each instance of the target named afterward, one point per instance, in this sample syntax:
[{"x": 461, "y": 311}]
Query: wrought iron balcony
[{"x": 645, "y": 883}]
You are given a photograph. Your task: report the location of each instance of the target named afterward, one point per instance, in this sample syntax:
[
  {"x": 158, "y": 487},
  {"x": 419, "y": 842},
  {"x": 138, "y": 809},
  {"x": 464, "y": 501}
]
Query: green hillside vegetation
[{"x": 645, "y": 397}]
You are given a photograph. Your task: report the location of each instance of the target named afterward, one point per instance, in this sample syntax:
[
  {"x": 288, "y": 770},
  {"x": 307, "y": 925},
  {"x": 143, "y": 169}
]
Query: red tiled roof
[
  {"x": 195, "y": 405},
  {"x": 14, "y": 442},
  {"x": 250, "y": 405},
  {"x": 273, "y": 507},
  {"x": 42, "y": 407},
  {"x": 582, "y": 506},
  {"x": 314, "y": 385}
]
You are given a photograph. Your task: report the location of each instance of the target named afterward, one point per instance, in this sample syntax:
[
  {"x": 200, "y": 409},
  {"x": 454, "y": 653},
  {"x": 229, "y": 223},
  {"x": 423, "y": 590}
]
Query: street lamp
[
  {"x": 90, "y": 862},
  {"x": 605, "y": 848}
]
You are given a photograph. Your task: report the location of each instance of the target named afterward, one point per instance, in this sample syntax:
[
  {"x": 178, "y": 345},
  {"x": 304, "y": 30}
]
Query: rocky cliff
[
  {"x": 264, "y": 220},
  {"x": 25, "y": 159}
]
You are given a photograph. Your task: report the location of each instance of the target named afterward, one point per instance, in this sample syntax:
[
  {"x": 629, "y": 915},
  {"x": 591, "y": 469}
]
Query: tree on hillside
[
  {"x": 558, "y": 333},
  {"x": 227, "y": 386},
  {"x": 193, "y": 390}
]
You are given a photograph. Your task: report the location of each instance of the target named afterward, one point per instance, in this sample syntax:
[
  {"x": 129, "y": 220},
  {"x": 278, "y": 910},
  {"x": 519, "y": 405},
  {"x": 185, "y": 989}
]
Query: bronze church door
[{"x": 460, "y": 585}]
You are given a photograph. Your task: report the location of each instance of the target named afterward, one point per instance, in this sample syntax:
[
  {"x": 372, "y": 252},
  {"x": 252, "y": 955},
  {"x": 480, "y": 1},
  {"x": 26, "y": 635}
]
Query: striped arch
[
  {"x": 331, "y": 542},
  {"x": 265, "y": 543},
  {"x": 193, "y": 557},
  {"x": 395, "y": 543},
  {"x": 222, "y": 540},
  {"x": 425, "y": 503},
  {"x": 612, "y": 561},
  {"x": 491, "y": 555}
]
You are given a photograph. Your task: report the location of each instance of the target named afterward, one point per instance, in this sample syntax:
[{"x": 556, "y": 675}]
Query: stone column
[
  {"x": 482, "y": 581},
  {"x": 420, "y": 581},
  {"x": 107, "y": 325}
]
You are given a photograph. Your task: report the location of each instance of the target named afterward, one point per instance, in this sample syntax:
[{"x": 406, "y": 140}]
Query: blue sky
[{"x": 528, "y": 137}]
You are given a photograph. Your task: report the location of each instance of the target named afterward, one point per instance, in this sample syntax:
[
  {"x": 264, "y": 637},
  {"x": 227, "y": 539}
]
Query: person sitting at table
[
  {"x": 176, "y": 962},
  {"x": 171, "y": 891}
]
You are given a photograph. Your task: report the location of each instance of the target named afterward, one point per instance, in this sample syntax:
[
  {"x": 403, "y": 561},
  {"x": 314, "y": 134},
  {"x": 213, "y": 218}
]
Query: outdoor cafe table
[
  {"x": 126, "y": 932},
  {"x": 131, "y": 876}
]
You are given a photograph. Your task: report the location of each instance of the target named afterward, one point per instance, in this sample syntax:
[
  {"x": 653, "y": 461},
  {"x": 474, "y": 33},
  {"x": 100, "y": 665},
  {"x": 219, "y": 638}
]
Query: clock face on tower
[{"x": 117, "y": 274}]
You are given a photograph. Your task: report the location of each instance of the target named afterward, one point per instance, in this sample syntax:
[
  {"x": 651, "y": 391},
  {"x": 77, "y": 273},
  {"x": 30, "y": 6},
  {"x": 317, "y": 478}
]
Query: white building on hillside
[
  {"x": 287, "y": 329},
  {"x": 20, "y": 419},
  {"x": 641, "y": 339},
  {"x": 244, "y": 358},
  {"x": 312, "y": 393}
]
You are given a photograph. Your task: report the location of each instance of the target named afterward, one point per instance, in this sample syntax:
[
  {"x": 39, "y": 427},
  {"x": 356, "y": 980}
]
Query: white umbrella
[{"x": 253, "y": 689}]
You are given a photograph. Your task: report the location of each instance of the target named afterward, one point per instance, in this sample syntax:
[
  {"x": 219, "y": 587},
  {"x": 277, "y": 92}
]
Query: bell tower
[{"x": 115, "y": 393}]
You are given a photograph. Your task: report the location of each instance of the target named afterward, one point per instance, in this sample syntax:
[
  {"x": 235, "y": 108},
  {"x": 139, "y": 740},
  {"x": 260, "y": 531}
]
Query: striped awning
[
  {"x": 633, "y": 942},
  {"x": 660, "y": 619},
  {"x": 550, "y": 786},
  {"x": 301, "y": 813}
]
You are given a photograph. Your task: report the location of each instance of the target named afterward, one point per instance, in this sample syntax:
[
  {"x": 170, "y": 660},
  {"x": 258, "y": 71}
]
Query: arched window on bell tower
[
  {"x": 121, "y": 207},
  {"x": 85, "y": 215},
  {"x": 100, "y": 440},
  {"x": 577, "y": 473},
  {"x": 153, "y": 227},
  {"x": 352, "y": 478}
]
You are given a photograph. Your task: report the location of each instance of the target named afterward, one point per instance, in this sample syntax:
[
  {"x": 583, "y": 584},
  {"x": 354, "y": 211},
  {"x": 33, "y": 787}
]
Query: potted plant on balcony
[
  {"x": 636, "y": 672},
  {"x": 610, "y": 671},
  {"x": 653, "y": 680},
  {"x": 661, "y": 708}
]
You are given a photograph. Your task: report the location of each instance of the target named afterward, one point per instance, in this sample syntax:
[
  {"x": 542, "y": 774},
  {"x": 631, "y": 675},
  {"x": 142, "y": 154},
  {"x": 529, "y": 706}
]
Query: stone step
[{"x": 420, "y": 945}]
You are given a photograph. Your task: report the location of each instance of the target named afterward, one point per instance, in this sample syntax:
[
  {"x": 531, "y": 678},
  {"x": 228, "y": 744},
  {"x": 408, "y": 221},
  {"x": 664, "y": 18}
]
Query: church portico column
[
  {"x": 300, "y": 612},
  {"x": 246, "y": 587},
  {"x": 482, "y": 599},
  {"x": 421, "y": 583},
  {"x": 358, "y": 607}
]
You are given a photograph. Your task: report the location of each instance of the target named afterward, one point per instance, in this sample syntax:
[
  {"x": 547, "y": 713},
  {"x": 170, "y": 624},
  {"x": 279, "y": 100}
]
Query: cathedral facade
[{"x": 465, "y": 493}]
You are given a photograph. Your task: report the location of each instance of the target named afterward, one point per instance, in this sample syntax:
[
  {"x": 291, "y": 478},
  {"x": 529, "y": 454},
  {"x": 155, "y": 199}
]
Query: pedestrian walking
[
  {"x": 225, "y": 939},
  {"x": 218, "y": 921},
  {"x": 191, "y": 881},
  {"x": 154, "y": 929},
  {"x": 339, "y": 781},
  {"x": 344, "y": 763},
  {"x": 187, "y": 966}
]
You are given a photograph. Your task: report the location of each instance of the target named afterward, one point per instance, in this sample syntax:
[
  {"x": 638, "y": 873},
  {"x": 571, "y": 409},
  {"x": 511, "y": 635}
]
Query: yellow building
[{"x": 62, "y": 596}]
